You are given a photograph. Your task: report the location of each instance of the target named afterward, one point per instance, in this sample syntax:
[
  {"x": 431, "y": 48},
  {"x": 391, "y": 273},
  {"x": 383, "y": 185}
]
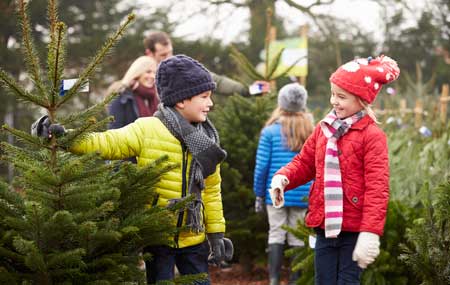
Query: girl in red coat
[{"x": 348, "y": 158}]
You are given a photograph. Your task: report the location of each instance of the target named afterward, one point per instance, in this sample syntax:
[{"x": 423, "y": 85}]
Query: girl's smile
[{"x": 344, "y": 103}]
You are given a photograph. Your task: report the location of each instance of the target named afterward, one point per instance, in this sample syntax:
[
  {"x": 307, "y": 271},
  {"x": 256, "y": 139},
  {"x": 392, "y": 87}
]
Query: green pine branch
[
  {"x": 86, "y": 114},
  {"x": 245, "y": 64},
  {"x": 11, "y": 203},
  {"x": 83, "y": 78},
  {"x": 274, "y": 63},
  {"x": 26, "y": 137},
  {"x": 14, "y": 88},
  {"x": 271, "y": 65},
  {"x": 78, "y": 134},
  {"x": 56, "y": 60},
  {"x": 17, "y": 154},
  {"x": 29, "y": 50},
  {"x": 290, "y": 67}
]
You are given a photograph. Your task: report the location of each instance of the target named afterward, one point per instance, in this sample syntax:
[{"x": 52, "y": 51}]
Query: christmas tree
[
  {"x": 428, "y": 253},
  {"x": 239, "y": 123},
  {"x": 66, "y": 218}
]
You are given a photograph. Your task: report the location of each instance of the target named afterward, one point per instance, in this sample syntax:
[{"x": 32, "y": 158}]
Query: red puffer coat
[{"x": 363, "y": 159}]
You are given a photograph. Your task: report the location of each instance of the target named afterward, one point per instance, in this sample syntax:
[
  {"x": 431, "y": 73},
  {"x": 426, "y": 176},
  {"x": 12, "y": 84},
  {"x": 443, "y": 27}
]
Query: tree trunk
[{"x": 258, "y": 22}]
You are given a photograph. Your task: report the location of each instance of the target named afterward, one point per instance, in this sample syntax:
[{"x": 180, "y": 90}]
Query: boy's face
[
  {"x": 344, "y": 103},
  {"x": 196, "y": 109}
]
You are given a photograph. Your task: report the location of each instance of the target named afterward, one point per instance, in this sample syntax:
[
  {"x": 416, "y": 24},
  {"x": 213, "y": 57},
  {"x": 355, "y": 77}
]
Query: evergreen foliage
[
  {"x": 428, "y": 254},
  {"x": 239, "y": 123},
  {"x": 302, "y": 257},
  {"x": 70, "y": 219}
]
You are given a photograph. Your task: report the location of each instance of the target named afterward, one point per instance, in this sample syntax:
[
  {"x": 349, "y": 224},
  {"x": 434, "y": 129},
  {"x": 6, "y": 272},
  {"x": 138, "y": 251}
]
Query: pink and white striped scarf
[{"x": 334, "y": 128}]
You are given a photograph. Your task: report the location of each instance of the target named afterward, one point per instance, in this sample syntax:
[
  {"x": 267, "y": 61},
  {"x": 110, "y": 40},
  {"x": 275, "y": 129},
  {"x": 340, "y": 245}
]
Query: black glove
[
  {"x": 220, "y": 248},
  {"x": 259, "y": 204},
  {"x": 42, "y": 127}
]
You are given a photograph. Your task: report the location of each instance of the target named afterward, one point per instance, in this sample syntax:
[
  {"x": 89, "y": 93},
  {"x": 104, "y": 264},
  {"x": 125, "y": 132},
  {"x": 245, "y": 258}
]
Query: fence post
[
  {"x": 443, "y": 103},
  {"x": 303, "y": 34},
  {"x": 271, "y": 37},
  {"x": 418, "y": 111},
  {"x": 402, "y": 107}
]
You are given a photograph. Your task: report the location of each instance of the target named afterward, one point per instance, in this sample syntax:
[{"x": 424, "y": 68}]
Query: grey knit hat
[
  {"x": 180, "y": 77},
  {"x": 292, "y": 97}
]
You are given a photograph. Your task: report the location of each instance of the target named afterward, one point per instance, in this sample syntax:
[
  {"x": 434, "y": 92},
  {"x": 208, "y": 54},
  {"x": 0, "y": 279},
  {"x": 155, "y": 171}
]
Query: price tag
[{"x": 66, "y": 84}]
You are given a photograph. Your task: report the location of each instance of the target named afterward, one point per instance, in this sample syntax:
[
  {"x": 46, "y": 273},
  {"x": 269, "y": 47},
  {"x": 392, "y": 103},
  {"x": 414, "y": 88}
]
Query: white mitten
[
  {"x": 276, "y": 191},
  {"x": 367, "y": 249}
]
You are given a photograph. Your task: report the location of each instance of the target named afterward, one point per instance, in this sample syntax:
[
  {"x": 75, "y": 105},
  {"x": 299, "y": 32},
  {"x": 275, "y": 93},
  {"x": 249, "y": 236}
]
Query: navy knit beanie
[{"x": 180, "y": 77}]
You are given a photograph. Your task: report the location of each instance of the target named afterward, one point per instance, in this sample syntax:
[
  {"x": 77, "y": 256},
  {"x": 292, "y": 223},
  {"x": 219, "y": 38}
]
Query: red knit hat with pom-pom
[{"x": 365, "y": 77}]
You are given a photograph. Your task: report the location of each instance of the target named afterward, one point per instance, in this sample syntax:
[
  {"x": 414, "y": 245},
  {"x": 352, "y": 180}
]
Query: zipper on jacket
[{"x": 183, "y": 190}]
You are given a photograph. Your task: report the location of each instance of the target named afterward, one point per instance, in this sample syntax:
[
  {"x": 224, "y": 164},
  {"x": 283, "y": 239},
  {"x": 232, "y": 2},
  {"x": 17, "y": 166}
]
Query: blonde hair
[
  {"x": 295, "y": 126},
  {"x": 368, "y": 108},
  {"x": 140, "y": 66}
]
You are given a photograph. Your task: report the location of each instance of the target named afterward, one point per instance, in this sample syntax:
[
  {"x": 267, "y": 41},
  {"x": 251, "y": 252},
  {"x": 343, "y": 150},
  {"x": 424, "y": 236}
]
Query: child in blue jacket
[{"x": 281, "y": 139}]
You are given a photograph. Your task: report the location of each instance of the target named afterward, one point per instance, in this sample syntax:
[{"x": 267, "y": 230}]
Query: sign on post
[{"x": 295, "y": 51}]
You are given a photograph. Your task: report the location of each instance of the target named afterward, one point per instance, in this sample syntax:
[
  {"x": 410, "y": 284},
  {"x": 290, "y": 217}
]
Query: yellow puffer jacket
[{"x": 148, "y": 139}]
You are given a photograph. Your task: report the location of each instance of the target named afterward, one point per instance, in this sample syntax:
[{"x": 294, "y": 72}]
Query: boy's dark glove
[
  {"x": 42, "y": 127},
  {"x": 259, "y": 204},
  {"x": 220, "y": 248}
]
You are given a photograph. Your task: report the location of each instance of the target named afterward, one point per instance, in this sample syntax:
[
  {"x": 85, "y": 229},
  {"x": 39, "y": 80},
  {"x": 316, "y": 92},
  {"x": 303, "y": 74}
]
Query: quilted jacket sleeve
[
  {"x": 376, "y": 180},
  {"x": 302, "y": 168},
  {"x": 263, "y": 156},
  {"x": 113, "y": 144},
  {"x": 212, "y": 200}
]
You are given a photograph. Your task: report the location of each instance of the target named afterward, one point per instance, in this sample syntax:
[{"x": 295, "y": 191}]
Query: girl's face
[
  {"x": 147, "y": 79},
  {"x": 196, "y": 109},
  {"x": 344, "y": 103}
]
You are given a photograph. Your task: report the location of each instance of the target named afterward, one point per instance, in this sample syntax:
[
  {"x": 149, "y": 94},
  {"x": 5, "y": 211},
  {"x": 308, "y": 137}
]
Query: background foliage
[{"x": 419, "y": 165}]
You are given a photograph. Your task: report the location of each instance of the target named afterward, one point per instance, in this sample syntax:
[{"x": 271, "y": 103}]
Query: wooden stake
[
  {"x": 402, "y": 107},
  {"x": 418, "y": 111},
  {"x": 304, "y": 34},
  {"x": 443, "y": 101},
  {"x": 272, "y": 37}
]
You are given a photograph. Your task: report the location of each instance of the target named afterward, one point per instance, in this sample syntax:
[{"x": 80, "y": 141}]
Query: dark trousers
[
  {"x": 189, "y": 260},
  {"x": 333, "y": 262}
]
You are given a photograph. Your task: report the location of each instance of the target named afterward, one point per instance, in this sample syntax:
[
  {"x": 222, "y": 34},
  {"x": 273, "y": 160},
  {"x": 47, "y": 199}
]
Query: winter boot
[
  {"x": 293, "y": 275},
  {"x": 275, "y": 261}
]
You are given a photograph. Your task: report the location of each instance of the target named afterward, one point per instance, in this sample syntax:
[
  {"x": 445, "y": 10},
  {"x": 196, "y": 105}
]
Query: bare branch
[
  {"x": 228, "y": 2},
  {"x": 307, "y": 9}
]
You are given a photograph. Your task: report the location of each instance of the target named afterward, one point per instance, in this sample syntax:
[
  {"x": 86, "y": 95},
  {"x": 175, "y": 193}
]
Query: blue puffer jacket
[{"x": 271, "y": 155}]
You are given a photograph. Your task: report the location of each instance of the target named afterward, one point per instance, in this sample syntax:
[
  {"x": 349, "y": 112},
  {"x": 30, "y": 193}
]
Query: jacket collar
[
  {"x": 126, "y": 95},
  {"x": 361, "y": 124}
]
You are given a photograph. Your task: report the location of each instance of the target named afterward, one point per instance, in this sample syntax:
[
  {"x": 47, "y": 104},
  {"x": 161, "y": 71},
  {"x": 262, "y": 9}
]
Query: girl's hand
[
  {"x": 367, "y": 249},
  {"x": 276, "y": 191}
]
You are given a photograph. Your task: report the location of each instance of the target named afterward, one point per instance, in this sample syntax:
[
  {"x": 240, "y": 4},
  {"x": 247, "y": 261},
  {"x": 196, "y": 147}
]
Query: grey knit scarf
[{"x": 202, "y": 141}]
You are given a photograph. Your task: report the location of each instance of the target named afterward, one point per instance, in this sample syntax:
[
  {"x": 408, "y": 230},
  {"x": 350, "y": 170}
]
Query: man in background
[{"x": 159, "y": 46}]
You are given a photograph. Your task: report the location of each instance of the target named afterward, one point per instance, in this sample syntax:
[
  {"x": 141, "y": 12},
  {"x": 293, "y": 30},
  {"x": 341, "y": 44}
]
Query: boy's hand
[
  {"x": 220, "y": 248},
  {"x": 42, "y": 127},
  {"x": 367, "y": 249},
  {"x": 276, "y": 191}
]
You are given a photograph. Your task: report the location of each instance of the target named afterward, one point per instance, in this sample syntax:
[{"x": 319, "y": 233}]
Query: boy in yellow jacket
[{"x": 181, "y": 130}]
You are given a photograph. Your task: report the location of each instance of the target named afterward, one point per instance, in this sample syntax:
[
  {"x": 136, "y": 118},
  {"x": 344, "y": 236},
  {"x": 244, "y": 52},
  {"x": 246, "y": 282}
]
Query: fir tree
[
  {"x": 70, "y": 219},
  {"x": 239, "y": 123},
  {"x": 429, "y": 253}
]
